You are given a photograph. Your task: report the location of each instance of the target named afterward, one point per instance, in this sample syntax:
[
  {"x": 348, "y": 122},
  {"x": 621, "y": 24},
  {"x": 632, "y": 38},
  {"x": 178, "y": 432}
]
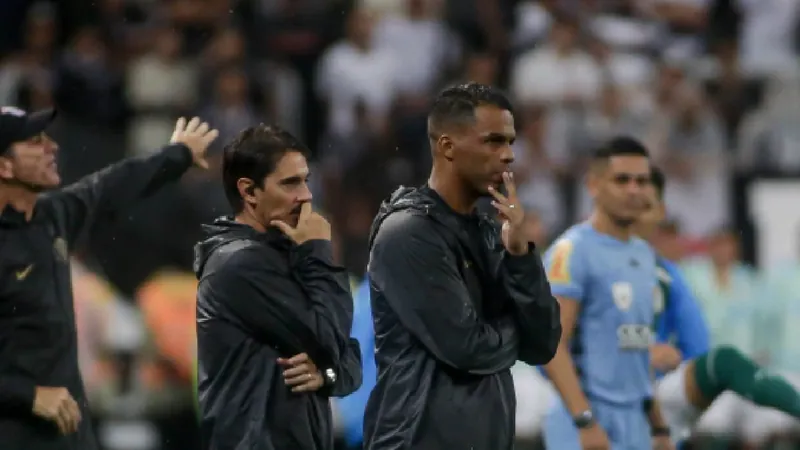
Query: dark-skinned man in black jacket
[
  {"x": 456, "y": 299},
  {"x": 42, "y": 400}
]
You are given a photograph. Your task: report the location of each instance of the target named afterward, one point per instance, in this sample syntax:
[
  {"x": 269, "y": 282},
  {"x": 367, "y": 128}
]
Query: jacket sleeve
[
  {"x": 537, "y": 313},
  {"x": 17, "y": 394},
  {"x": 417, "y": 275},
  {"x": 116, "y": 188},
  {"x": 690, "y": 324},
  {"x": 307, "y": 309},
  {"x": 348, "y": 373}
]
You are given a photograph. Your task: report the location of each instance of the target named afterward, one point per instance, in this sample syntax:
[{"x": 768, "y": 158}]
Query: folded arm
[
  {"x": 294, "y": 318},
  {"x": 418, "y": 275},
  {"x": 524, "y": 283},
  {"x": 17, "y": 394}
]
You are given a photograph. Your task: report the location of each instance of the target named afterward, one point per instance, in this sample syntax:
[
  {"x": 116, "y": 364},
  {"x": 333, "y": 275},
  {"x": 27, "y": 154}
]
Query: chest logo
[
  {"x": 23, "y": 273},
  {"x": 622, "y": 294},
  {"x": 61, "y": 249}
]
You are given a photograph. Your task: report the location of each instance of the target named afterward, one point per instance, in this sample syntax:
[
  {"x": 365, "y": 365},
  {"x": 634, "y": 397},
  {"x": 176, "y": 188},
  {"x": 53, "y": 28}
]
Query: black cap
[{"x": 17, "y": 125}]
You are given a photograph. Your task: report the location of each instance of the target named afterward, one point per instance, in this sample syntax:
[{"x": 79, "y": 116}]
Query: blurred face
[
  {"x": 169, "y": 46},
  {"x": 481, "y": 152},
  {"x": 482, "y": 69},
  {"x": 31, "y": 163},
  {"x": 652, "y": 216},
  {"x": 232, "y": 88},
  {"x": 283, "y": 193},
  {"x": 360, "y": 26},
  {"x": 565, "y": 36},
  {"x": 619, "y": 188},
  {"x": 724, "y": 248}
]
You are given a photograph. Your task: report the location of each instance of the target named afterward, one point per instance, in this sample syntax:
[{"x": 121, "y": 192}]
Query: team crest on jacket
[{"x": 622, "y": 293}]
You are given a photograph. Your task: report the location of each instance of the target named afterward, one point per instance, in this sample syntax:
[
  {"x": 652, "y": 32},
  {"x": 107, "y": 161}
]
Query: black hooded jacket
[
  {"x": 38, "y": 335},
  {"x": 261, "y": 297},
  {"x": 453, "y": 312}
]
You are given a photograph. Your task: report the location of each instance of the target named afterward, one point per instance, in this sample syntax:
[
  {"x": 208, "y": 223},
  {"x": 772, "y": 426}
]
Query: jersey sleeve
[
  {"x": 691, "y": 329},
  {"x": 566, "y": 270}
]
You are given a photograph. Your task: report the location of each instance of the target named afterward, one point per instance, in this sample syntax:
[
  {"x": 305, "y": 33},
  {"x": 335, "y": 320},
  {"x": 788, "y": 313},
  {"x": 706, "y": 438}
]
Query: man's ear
[
  {"x": 446, "y": 146},
  {"x": 247, "y": 190}
]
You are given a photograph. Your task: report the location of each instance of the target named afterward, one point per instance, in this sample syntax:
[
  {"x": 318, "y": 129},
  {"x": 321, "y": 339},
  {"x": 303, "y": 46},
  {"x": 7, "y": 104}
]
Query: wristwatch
[
  {"x": 659, "y": 431},
  {"x": 583, "y": 419},
  {"x": 330, "y": 376}
]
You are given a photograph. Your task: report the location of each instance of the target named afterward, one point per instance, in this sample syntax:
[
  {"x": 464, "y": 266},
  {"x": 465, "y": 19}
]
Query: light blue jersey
[
  {"x": 614, "y": 281},
  {"x": 351, "y": 408}
]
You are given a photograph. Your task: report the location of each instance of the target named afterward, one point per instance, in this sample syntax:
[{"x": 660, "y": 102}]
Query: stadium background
[{"x": 712, "y": 86}]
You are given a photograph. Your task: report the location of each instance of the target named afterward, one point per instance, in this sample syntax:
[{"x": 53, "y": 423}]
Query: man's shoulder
[
  {"x": 403, "y": 226},
  {"x": 243, "y": 255},
  {"x": 576, "y": 236}
]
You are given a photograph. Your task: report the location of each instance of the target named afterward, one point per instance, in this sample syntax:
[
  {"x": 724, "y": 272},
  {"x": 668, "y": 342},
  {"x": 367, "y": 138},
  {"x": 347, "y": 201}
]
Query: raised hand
[
  {"x": 196, "y": 135},
  {"x": 513, "y": 216}
]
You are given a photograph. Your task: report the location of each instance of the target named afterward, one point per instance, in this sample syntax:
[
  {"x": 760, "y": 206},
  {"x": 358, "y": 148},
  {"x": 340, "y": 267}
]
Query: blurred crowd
[{"x": 712, "y": 87}]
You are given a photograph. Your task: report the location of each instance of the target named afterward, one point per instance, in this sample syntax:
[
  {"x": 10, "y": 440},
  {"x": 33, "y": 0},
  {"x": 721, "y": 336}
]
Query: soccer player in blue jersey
[
  {"x": 604, "y": 278},
  {"x": 695, "y": 373}
]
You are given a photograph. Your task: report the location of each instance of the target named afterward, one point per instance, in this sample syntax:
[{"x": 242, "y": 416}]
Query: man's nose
[
  {"x": 507, "y": 154},
  {"x": 305, "y": 194}
]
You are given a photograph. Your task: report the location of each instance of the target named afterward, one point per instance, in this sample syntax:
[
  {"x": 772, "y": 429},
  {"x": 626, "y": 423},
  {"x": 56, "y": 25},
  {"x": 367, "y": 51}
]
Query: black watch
[
  {"x": 584, "y": 419},
  {"x": 659, "y": 431}
]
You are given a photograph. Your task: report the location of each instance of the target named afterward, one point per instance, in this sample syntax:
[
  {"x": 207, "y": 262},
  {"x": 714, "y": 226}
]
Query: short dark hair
[
  {"x": 253, "y": 154},
  {"x": 455, "y": 105},
  {"x": 620, "y": 146},
  {"x": 658, "y": 180}
]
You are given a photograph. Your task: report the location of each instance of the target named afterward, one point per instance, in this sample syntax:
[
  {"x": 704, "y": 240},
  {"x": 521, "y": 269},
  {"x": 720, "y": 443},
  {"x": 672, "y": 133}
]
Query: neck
[
  {"x": 722, "y": 266},
  {"x": 722, "y": 274},
  {"x": 453, "y": 194},
  {"x": 604, "y": 224},
  {"x": 246, "y": 217},
  {"x": 19, "y": 198}
]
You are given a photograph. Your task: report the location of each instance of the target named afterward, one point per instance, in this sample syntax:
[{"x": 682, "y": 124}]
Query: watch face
[
  {"x": 584, "y": 419},
  {"x": 330, "y": 375}
]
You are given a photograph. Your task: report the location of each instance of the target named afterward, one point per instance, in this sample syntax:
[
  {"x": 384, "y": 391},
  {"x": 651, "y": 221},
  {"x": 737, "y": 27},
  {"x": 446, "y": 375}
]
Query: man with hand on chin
[
  {"x": 455, "y": 300},
  {"x": 273, "y": 310}
]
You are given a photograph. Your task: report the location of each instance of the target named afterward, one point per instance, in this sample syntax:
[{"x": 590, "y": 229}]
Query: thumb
[
  {"x": 283, "y": 226},
  {"x": 201, "y": 162}
]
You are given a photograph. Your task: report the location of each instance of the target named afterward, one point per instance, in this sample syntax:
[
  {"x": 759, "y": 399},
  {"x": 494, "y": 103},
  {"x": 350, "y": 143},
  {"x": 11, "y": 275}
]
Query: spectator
[
  {"x": 354, "y": 69},
  {"x": 542, "y": 158},
  {"x": 689, "y": 146},
  {"x": 404, "y": 36},
  {"x": 727, "y": 290},
  {"x": 559, "y": 73},
  {"x": 160, "y": 86},
  {"x": 231, "y": 109}
]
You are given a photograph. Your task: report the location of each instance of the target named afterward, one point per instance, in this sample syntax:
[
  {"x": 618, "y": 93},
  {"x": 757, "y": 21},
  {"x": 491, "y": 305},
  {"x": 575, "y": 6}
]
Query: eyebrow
[
  {"x": 294, "y": 179},
  {"x": 490, "y": 137}
]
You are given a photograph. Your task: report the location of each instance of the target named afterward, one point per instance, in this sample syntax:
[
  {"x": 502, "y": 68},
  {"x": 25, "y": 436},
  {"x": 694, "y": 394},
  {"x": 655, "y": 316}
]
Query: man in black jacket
[
  {"x": 455, "y": 300},
  {"x": 42, "y": 399},
  {"x": 273, "y": 310}
]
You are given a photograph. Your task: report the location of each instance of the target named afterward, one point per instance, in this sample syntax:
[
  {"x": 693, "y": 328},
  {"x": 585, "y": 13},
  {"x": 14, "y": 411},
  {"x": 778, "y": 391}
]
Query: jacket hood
[
  {"x": 401, "y": 199},
  {"x": 220, "y": 232},
  {"x": 426, "y": 201}
]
